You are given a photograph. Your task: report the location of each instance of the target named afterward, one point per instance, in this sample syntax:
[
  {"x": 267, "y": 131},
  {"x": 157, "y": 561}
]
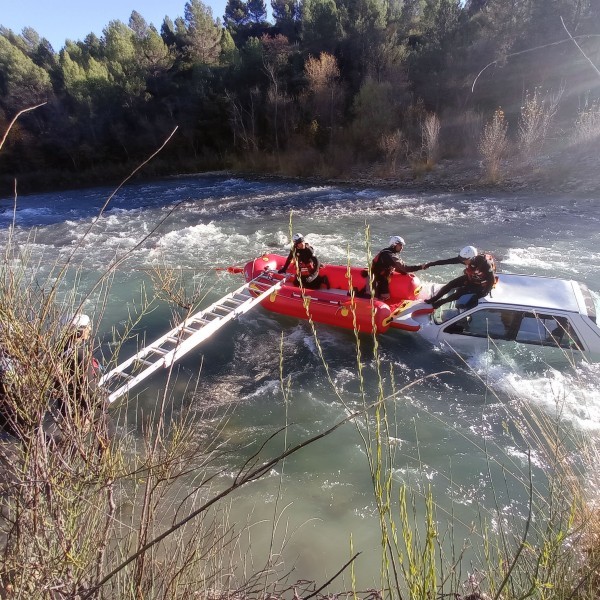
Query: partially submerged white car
[{"x": 556, "y": 314}]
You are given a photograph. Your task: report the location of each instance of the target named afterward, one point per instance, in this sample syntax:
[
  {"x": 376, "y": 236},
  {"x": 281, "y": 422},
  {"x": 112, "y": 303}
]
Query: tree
[
  {"x": 138, "y": 25},
  {"x": 85, "y": 79},
  {"x": 324, "y": 94},
  {"x": 374, "y": 111},
  {"x": 123, "y": 60},
  {"x": 364, "y": 24},
  {"x": 287, "y": 16},
  {"x": 203, "y": 34},
  {"x": 236, "y": 15},
  {"x": 257, "y": 11},
  {"x": 229, "y": 51},
  {"x": 155, "y": 56},
  {"x": 22, "y": 82},
  {"x": 275, "y": 56},
  {"x": 321, "y": 26}
]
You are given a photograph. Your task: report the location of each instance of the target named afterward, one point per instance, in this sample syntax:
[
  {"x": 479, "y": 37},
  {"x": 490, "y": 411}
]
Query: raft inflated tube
[{"x": 332, "y": 306}]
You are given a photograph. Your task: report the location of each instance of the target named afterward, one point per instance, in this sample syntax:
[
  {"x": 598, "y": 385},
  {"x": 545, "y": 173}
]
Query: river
[{"x": 323, "y": 495}]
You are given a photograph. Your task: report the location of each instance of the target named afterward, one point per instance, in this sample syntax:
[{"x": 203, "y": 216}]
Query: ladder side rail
[
  {"x": 141, "y": 354},
  {"x": 188, "y": 343},
  {"x": 191, "y": 342},
  {"x": 135, "y": 380}
]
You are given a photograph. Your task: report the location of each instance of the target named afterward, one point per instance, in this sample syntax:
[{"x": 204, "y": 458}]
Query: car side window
[
  {"x": 492, "y": 322},
  {"x": 547, "y": 330}
]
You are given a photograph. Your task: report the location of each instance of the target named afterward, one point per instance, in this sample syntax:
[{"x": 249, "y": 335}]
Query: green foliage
[
  {"x": 229, "y": 52},
  {"x": 374, "y": 110},
  {"x": 236, "y": 15},
  {"x": 116, "y": 95},
  {"x": 287, "y": 16},
  {"x": 22, "y": 82},
  {"x": 203, "y": 34},
  {"x": 321, "y": 26},
  {"x": 257, "y": 11}
]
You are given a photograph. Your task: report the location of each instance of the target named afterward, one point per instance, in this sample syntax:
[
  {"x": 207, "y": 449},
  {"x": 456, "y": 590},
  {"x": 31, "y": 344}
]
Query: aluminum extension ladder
[{"x": 185, "y": 337}]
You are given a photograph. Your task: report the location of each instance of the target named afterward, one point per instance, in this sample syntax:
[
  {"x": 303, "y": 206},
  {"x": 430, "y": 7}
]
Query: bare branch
[
  {"x": 591, "y": 35},
  {"x": 15, "y": 120},
  {"x": 579, "y": 47}
]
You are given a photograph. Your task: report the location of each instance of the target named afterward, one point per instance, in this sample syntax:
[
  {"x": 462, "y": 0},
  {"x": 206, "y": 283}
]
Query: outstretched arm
[
  {"x": 412, "y": 268},
  {"x": 444, "y": 261}
]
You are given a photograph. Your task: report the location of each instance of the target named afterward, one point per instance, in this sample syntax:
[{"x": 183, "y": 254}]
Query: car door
[
  {"x": 480, "y": 328},
  {"x": 550, "y": 336}
]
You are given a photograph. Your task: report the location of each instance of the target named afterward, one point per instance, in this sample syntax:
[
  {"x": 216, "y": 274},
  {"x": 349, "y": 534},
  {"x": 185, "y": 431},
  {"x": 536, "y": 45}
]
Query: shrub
[
  {"x": 394, "y": 146},
  {"x": 493, "y": 144},
  {"x": 430, "y": 138},
  {"x": 587, "y": 124},
  {"x": 536, "y": 116}
]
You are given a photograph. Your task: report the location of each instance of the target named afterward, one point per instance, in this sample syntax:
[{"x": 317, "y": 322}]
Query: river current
[{"x": 323, "y": 495}]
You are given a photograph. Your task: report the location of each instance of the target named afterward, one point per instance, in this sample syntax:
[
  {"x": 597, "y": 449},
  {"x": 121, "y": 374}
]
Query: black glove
[
  {"x": 311, "y": 278},
  {"x": 281, "y": 271}
]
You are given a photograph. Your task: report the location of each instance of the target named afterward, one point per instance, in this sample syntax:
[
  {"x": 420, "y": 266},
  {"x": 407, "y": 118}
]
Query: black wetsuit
[
  {"x": 82, "y": 372},
  {"x": 478, "y": 279},
  {"x": 455, "y": 260},
  {"x": 384, "y": 264},
  {"x": 308, "y": 266}
]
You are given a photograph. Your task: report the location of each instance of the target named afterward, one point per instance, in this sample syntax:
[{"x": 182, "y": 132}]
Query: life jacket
[
  {"x": 306, "y": 266},
  {"x": 78, "y": 358},
  {"x": 96, "y": 367},
  {"x": 479, "y": 267},
  {"x": 379, "y": 268}
]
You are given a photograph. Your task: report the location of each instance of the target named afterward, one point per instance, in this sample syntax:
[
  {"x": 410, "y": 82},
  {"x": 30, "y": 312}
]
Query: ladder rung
[
  {"x": 124, "y": 375},
  {"x": 202, "y": 321},
  {"x": 160, "y": 351},
  {"x": 226, "y": 309},
  {"x": 143, "y": 362},
  {"x": 190, "y": 330},
  {"x": 215, "y": 317}
]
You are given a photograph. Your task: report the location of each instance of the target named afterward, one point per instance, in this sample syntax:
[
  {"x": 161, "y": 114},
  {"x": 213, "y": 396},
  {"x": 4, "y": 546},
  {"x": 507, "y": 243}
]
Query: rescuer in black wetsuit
[
  {"x": 80, "y": 370},
  {"x": 463, "y": 258},
  {"x": 307, "y": 265},
  {"x": 477, "y": 279},
  {"x": 385, "y": 263}
]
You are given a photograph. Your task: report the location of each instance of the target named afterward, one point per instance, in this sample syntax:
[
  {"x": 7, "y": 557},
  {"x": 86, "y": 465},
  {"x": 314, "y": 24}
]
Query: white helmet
[
  {"x": 79, "y": 321},
  {"x": 298, "y": 237},
  {"x": 468, "y": 252},
  {"x": 396, "y": 239}
]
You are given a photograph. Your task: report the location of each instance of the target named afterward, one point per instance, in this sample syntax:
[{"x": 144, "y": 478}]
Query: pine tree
[
  {"x": 236, "y": 15},
  {"x": 203, "y": 34},
  {"x": 257, "y": 11}
]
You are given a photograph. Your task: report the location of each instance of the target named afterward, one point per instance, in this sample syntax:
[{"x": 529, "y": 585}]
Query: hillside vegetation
[{"x": 329, "y": 88}]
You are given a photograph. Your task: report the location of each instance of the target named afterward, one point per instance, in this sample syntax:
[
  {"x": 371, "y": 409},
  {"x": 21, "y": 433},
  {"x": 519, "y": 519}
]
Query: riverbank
[{"x": 573, "y": 171}]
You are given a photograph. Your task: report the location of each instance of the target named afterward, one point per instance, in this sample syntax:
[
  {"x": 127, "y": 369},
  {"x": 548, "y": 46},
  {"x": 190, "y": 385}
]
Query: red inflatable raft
[{"x": 333, "y": 306}]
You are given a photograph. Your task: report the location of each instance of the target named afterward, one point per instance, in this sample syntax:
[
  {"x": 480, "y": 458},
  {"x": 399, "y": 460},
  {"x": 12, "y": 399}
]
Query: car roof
[{"x": 537, "y": 292}]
